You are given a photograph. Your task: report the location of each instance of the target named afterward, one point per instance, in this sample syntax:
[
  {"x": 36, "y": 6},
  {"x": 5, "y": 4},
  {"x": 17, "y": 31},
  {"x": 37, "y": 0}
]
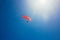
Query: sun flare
[{"x": 42, "y": 8}]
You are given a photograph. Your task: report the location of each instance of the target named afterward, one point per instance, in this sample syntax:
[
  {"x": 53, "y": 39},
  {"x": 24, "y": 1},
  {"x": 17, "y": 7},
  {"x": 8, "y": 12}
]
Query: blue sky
[{"x": 13, "y": 27}]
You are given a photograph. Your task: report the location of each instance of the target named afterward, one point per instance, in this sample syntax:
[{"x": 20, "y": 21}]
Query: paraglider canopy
[{"x": 26, "y": 18}]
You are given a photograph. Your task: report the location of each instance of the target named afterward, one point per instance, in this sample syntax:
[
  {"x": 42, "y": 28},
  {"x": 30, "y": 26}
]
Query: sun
[{"x": 42, "y": 8}]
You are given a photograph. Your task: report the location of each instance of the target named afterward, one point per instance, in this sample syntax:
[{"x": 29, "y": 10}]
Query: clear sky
[{"x": 45, "y": 17}]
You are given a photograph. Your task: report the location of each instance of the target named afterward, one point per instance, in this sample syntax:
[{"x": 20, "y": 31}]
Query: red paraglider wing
[{"x": 27, "y": 18}]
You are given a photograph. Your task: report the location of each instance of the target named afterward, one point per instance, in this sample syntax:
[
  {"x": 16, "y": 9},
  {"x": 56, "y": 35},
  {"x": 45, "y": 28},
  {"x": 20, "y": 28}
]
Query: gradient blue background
[{"x": 13, "y": 27}]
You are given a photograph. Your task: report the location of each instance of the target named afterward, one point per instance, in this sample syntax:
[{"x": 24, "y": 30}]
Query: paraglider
[{"x": 27, "y": 18}]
